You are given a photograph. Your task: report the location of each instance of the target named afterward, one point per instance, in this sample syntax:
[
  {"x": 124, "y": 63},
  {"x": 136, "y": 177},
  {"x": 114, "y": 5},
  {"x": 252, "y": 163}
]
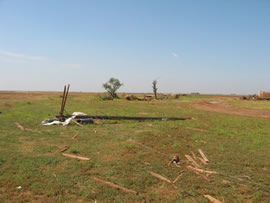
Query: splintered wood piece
[
  {"x": 202, "y": 171},
  {"x": 19, "y": 126},
  {"x": 177, "y": 178},
  {"x": 202, "y": 160},
  {"x": 194, "y": 156},
  {"x": 194, "y": 163},
  {"x": 203, "y": 156},
  {"x": 76, "y": 135},
  {"x": 212, "y": 199},
  {"x": 64, "y": 149},
  {"x": 177, "y": 165},
  {"x": 76, "y": 157},
  {"x": 76, "y": 122},
  {"x": 160, "y": 177},
  {"x": 114, "y": 185},
  {"x": 201, "y": 175}
]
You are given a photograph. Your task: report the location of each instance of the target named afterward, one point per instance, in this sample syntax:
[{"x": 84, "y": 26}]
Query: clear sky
[{"x": 205, "y": 46}]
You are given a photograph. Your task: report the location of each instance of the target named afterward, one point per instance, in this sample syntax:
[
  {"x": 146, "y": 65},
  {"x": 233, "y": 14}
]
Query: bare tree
[{"x": 155, "y": 88}]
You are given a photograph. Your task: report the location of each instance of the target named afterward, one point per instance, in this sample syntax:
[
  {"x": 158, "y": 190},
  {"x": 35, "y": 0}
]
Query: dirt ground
[{"x": 221, "y": 107}]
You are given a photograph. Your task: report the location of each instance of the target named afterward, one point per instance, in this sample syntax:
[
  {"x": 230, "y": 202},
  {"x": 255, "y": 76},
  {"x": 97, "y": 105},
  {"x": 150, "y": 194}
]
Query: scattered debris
[
  {"x": 76, "y": 157},
  {"x": 203, "y": 142},
  {"x": 131, "y": 97},
  {"x": 226, "y": 182},
  {"x": 113, "y": 185},
  {"x": 76, "y": 135},
  {"x": 203, "y": 156},
  {"x": 174, "y": 160},
  {"x": 64, "y": 149},
  {"x": 194, "y": 156},
  {"x": 128, "y": 118},
  {"x": 177, "y": 165},
  {"x": 175, "y": 96},
  {"x": 199, "y": 174},
  {"x": 19, "y": 126},
  {"x": 261, "y": 96},
  {"x": 65, "y": 122},
  {"x": 213, "y": 102},
  {"x": 55, "y": 121},
  {"x": 212, "y": 199},
  {"x": 193, "y": 162},
  {"x": 26, "y": 129},
  {"x": 76, "y": 123},
  {"x": 202, "y": 160},
  {"x": 243, "y": 98},
  {"x": 86, "y": 121},
  {"x": 177, "y": 178},
  {"x": 247, "y": 177},
  {"x": 202, "y": 171},
  {"x": 160, "y": 177},
  {"x": 148, "y": 97}
]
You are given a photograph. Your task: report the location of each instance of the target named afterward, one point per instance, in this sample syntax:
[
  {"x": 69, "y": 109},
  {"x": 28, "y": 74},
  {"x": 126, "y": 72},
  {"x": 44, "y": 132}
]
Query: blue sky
[{"x": 205, "y": 46}]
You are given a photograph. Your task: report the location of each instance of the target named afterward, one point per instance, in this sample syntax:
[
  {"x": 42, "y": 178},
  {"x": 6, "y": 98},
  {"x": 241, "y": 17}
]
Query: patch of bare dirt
[
  {"x": 219, "y": 106},
  {"x": 6, "y": 105}
]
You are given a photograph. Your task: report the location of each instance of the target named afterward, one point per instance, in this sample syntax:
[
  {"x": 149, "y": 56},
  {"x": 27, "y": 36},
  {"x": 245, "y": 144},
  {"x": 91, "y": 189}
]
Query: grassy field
[{"x": 33, "y": 169}]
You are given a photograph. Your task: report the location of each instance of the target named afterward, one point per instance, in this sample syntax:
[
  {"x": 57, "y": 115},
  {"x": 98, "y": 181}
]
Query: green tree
[{"x": 112, "y": 86}]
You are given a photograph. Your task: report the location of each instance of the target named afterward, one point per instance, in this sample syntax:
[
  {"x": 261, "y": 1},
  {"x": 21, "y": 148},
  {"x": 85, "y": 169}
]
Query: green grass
[
  {"x": 257, "y": 104},
  {"x": 123, "y": 152}
]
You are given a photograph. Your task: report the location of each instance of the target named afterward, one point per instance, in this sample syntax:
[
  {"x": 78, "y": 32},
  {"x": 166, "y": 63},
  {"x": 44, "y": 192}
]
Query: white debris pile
[{"x": 55, "y": 121}]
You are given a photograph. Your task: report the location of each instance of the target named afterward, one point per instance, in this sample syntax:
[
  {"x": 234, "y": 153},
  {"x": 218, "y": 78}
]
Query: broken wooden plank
[
  {"x": 177, "y": 178},
  {"x": 202, "y": 171},
  {"x": 194, "y": 163},
  {"x": 177, "y": 165},
  {"x": 76, "y": 157},
  {"x": 202, "y": 160},
  {"x": 76, "y": 122},
  {"x": 65, "y": 148},
  {"x": 203, "y": 156},
  {"x": 193, "y": 155},
  {"x": 114, "y": 185},
  {"x": 212, "y": 199},
  {"x": 76, "y": 135},
  {"x": 160, "y": 177},
  {"x": 201, "y": 175},
  {"x": 20, "y": 126}
]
